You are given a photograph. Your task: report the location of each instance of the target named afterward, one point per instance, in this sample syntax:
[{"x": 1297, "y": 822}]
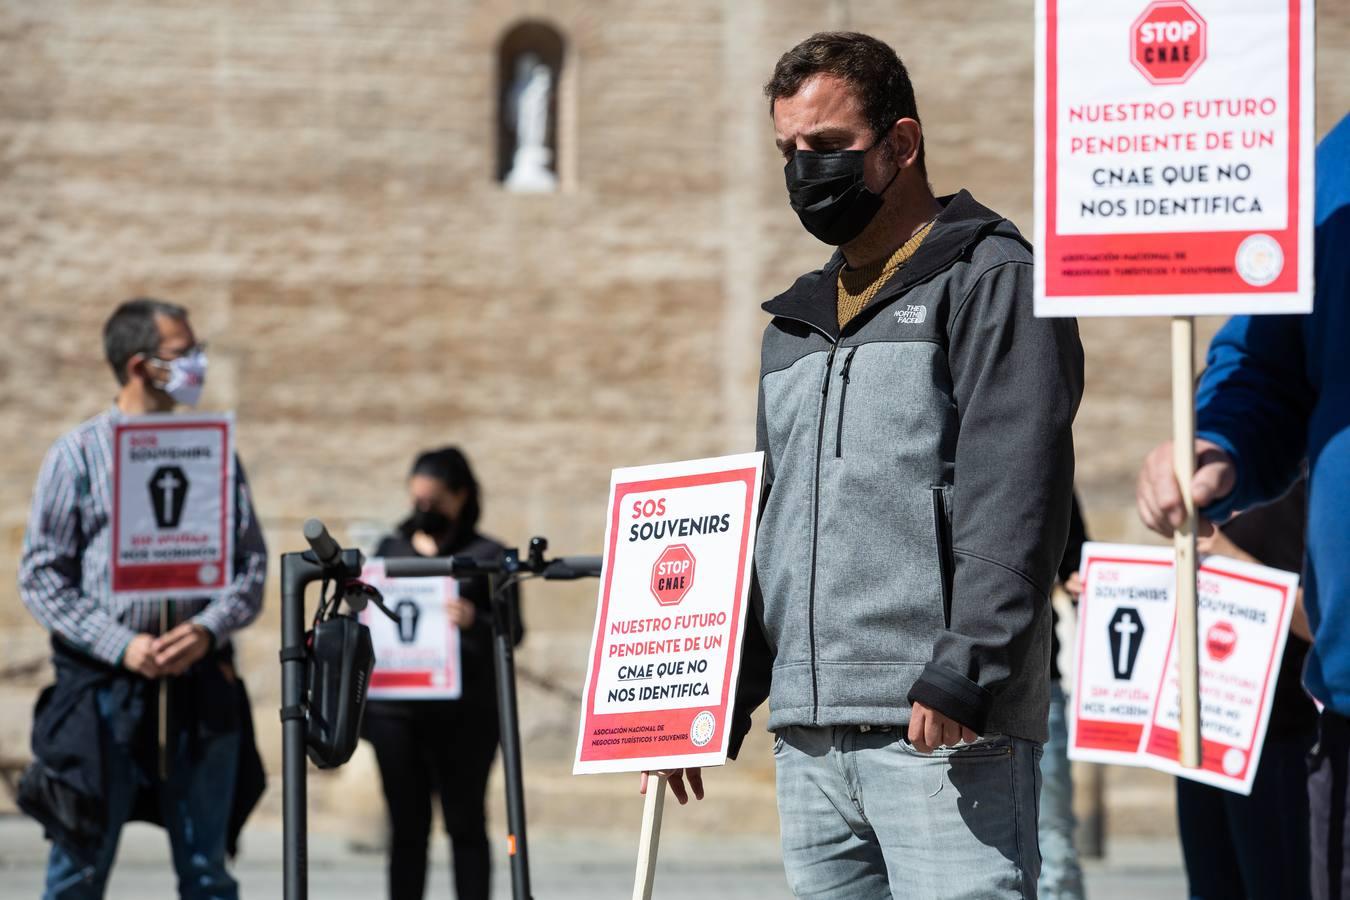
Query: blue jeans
[
  {"x": 195, "y": 805},
  {"x": 1061, "y": 876},
  {"x": 865, "y": 816}
]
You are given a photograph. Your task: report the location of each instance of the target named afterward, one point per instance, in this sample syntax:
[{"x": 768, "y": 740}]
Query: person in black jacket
[{"x": 442, "y": 746}]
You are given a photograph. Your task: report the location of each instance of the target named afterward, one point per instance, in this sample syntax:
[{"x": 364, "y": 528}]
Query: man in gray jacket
[{"x": 916, "y": 421}]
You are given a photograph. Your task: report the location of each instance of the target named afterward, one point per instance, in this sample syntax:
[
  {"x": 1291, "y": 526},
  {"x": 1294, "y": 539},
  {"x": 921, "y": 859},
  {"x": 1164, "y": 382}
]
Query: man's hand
[
  {"x": 462, "y": 613},
  {"x": 930, "y": 729},
  {"x": 178, "y": 649},
  {"x": 676, "y": 781},
  {"x": 1161, "y": 507},
  {"x": 139, "y": 656},
  {"x": 1074, "y": 586}
]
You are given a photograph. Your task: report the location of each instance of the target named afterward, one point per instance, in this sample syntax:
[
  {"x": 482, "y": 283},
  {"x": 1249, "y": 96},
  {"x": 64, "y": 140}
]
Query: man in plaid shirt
[{"x": 110, "y": 658}]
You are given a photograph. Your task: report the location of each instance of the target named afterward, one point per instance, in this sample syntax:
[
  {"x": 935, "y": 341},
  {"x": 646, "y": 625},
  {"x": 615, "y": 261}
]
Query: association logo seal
[
  {"x": 1259, "y": 260},
  {"x": 703, "y": 728},
  {"x": 1234, "y": 760}
]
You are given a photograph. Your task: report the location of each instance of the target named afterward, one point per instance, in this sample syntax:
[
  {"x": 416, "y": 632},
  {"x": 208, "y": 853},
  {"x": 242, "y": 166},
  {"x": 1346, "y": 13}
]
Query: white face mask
[{"x": 187, "y": 377}]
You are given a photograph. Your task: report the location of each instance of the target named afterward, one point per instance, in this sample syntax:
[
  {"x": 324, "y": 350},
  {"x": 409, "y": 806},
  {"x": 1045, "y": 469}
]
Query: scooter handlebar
[
  {"x": 567, "y": 568},
  {"x": 321, "y": 542},
  {"x": 423, "y": 566},
  {"x": 562, "y": 569}
]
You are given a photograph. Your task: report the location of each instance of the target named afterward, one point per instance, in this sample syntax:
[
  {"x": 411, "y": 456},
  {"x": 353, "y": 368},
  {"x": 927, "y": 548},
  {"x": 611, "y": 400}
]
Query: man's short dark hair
[
  {"x": 132, "y": 329},
  {"x": 870, "y": 66}
]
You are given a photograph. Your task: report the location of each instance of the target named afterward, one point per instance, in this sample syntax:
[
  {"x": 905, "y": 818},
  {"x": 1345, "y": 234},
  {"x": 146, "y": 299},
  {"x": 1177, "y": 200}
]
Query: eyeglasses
[{"x": 199, "y": 347}]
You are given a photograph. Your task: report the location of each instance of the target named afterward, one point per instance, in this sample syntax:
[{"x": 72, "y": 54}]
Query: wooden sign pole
[
  {"x": 651, "y": 835},
  {"x": 1183, "y": 461},
  {"x": 164, "y": 624}
]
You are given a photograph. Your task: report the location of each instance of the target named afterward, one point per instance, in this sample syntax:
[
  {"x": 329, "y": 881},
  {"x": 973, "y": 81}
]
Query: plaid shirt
[{"x": 64, "y": 576}]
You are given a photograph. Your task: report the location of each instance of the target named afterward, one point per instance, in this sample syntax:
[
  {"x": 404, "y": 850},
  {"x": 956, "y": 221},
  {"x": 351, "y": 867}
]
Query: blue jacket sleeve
[{"x": 1254, "y": 401}]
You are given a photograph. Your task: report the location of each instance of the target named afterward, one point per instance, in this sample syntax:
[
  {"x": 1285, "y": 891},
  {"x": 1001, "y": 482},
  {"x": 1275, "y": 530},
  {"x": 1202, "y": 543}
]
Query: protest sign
[
  {"x": 1124, "y": 626},
  {"x": 1173, "y": 164},
  {"x": 1125, "y": 707},
  {"x": 417, "y": 657},
  {"x": 665, "y": 652},
  {"x": 1174, "y": 145},
  {"x": 1244, "y": 614},
  {"x": 173, "y": 506}
]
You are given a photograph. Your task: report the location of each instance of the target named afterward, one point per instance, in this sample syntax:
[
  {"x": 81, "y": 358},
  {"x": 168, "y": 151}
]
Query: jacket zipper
[
  {"x": 843, "y": 395},
  {"x": 815, "y": 534}
]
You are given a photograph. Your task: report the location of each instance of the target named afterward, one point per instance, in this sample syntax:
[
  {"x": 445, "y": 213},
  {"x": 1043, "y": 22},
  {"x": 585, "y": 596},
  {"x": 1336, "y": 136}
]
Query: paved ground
[{"x": 564, "y": 866}]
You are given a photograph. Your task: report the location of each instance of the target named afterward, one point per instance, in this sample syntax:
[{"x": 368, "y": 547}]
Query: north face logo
[{"x": 911, "y": 315}]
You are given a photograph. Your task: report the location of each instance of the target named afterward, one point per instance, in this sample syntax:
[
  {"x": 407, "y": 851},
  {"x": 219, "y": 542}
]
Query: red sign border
[
  {"x": 592, "y": 720},
  {"x": 1149, "y": 738},
  {"x": 381, "y": 680},
  {"x": 1210, "y": 245},
  {"x": 1162, "y": 742},
  {"x": 171, "y": 574},
  {"x": 1103, "y": 727}
]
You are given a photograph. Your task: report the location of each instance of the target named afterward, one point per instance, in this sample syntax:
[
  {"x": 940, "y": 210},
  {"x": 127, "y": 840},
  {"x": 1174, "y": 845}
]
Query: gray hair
[{"x": 132, "y": 329}]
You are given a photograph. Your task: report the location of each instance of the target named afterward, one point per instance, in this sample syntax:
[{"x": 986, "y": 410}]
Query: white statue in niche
[{"x": 527, "y": 110}]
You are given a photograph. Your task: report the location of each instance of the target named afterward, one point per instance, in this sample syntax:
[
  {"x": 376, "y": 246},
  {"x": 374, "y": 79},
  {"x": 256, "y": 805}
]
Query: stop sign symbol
[
  {"x": 672, "y": 574},
  {"x": 1221, "y": 641},
  {"x": 1167, "y": 42}
]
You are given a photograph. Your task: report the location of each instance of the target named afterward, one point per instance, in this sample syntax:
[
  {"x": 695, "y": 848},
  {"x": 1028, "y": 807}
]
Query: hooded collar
[{"x": 813, "y": 298}]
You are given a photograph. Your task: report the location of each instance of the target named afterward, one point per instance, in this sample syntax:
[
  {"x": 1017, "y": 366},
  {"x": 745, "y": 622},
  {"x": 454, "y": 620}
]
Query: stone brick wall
[{"x": 316, "y": 181}]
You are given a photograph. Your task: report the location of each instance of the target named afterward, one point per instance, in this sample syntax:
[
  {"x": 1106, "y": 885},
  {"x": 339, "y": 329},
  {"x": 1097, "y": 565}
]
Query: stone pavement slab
[{"x": 564, "y": 867}]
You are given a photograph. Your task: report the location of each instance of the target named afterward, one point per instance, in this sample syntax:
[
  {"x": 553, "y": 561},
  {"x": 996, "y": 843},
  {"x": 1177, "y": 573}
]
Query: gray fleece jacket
[{"x": 918, "y": 481}]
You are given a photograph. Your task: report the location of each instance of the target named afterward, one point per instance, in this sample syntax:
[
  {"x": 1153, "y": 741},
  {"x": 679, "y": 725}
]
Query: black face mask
[
  {"x": 829, "y": 195},
  {"x": 432, "y": 522}
]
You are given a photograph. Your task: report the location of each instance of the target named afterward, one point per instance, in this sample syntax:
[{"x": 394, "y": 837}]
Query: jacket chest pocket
[{"x": 845, "y": 376}]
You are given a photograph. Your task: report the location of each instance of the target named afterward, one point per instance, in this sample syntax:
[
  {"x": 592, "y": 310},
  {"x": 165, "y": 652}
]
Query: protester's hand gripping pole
[
  {"x": 651, "y": 835},
  {"x": 1183, "y": 461}
]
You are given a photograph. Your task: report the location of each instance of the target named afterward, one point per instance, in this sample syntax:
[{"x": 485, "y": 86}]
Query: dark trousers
[
  {"x": 194, "y": 805},
  {"x": 1328, "y": 787},
  {"x": 1254, "y": 847},
  {"x": 435, "y": 747}
]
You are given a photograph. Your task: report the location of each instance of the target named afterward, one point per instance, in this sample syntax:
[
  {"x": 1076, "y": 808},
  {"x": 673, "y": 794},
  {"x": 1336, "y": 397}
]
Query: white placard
[
  {"x": 1244, "y": 612},
  {"x": 665, "y": 652},
  {"x": 1125, "y": 621},
  {"x": 1174, "y": 149},
  {"x": 173, "y": 506},
  {"x": 1125, "y": 704},
  {"x": 417, "y": 657}
]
